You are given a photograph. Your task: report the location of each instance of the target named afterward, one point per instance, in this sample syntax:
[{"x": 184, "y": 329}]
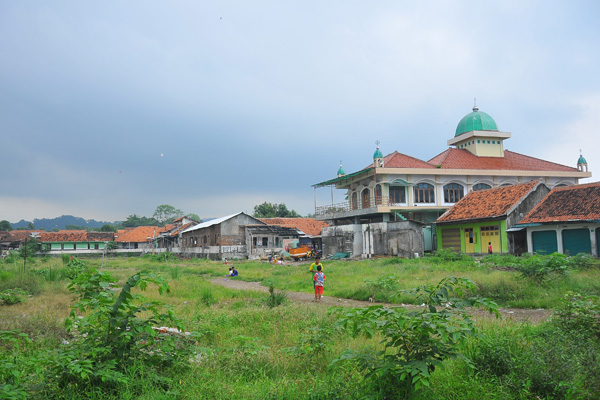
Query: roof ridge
[{"x": 539, "y": 159}]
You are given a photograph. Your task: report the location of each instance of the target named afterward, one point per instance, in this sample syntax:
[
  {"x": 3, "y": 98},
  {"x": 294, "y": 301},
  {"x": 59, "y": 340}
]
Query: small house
[
  {"x": 567, "y": 221},
  {"x": 485, "y": 218}
]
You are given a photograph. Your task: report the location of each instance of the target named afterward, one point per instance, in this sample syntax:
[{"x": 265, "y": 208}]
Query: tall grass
[{"x": 247, "y": 350}]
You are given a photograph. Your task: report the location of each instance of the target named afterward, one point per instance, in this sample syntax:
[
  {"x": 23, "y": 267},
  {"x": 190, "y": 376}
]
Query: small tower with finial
[
  {"x": 378, "y": 157},
  {"x": 341, "y": 171},
  {"x": 582, "y": 163}
]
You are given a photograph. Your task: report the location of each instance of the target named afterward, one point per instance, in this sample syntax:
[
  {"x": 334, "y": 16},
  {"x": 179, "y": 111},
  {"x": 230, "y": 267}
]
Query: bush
[
  {"x": 114, "y": 333},
  {"x": 28, "y": 282},
  {"x": 12, "y": 296},
  {"x": 583, "y": 261},
  {"x": 540, "y": 268},
  {"x": 276, "y": 297},
  {"x": 579, "y": 314},
  {"x": 449, "y": 255},
  {"x": 415, "y": 341}
]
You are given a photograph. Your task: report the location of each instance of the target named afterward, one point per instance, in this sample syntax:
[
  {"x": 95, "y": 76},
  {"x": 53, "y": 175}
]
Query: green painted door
[
  {"x": 428, "y": 238},
  {"x": 544, "y": 242},
  {"x": 576, "y": 241}
]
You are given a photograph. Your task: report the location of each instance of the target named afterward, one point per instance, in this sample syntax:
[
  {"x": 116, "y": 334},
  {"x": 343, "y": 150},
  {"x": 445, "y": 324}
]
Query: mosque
[{"x": 401, "y": 188}]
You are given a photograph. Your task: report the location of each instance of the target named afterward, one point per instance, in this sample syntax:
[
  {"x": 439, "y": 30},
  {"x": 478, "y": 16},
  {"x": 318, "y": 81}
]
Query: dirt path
[{"x": 516, "y": 314}]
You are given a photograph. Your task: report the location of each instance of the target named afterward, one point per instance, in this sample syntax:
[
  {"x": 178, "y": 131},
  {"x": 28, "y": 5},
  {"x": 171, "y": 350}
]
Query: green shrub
[
  {"x": 583, "y": 261},
  {"x": 449, "y": 255},
  {"x": 65, "y": 258},
  {"x": 492, "y": 355},
  {"x": 28, "y": 282},
  {"x": 276, "y": 297},
  {"x": 12, "y": 296},
  {"x": 317, "y": 341},
  {"x": 207, "y": 297},
  {"x": 415, "y": 341},
  {"x": 53, "y": 274},
  {"x": 76, "y": 267},
  {"x": 114, "y": 333},
  {"x": 579, "y": 314},
  {"x": 540, "y": 268},
  {"x": 15, "y": 367}
]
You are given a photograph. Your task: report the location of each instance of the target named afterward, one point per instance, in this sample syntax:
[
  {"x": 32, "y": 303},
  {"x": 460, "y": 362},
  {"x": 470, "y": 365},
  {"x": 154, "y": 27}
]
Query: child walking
[{"x": 319, "y": 280}]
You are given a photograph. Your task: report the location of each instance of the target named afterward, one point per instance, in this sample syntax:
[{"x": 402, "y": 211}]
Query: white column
[
  {"x": 559, "y": 243},
  {"x": 529, "y": 241},
  {"x": 593, "y": 242}
]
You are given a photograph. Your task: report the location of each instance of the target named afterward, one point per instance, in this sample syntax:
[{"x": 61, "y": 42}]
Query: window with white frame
[
  {"x": 453, "y": 192},
  {"x": 424, "y": 193}
]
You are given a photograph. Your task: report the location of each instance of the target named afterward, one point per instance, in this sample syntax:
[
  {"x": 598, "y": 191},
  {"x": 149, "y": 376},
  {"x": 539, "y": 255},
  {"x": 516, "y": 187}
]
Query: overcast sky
[{"x": 111, "y": 108}]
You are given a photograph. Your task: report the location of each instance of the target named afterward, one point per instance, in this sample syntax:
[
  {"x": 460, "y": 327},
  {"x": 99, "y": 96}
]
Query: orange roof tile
[
  {"x": 567, "y": 204},
  {"x": 399, "y": 160},
  {"x": 139, "y": 234},
  {"x": 309, "y": 226},
  {"x": 464, "y": 159},
  {"x": 490, "y": 203},
  {"x": 76, "y": 236}
]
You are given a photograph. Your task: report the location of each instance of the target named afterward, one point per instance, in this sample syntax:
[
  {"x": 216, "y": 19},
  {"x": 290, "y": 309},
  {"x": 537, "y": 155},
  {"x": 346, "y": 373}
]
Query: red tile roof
[
  {"x": 76, "y": 236},
  {"x": 399, "y": 160},
  {"x": 139, "y": 234},
  {"x": 568, "y": 204},
  {"x": 309, "y": 226},
  {"x": 464, "y": 159},
  {"x": 491, "y": 203}
]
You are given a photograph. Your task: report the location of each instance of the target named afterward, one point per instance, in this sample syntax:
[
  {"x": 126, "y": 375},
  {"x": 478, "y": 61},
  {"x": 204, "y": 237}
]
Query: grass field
[{"x": 244, "y": 346}]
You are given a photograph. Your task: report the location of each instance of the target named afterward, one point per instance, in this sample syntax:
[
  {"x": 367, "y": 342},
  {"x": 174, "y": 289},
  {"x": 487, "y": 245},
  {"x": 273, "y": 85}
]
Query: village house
[
  {"x": 140, "y": 238},
  {"x": 400, "y": 188},
  {"x": 309, "y": 230},
  {"x": 567, "y": 221},
  {"x": 486, "y": 218},
  {"x": 233, "y": 236}
]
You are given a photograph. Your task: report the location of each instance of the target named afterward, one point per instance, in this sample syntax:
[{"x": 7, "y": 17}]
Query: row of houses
[
  {"x": 524, "y": 218},
  {"x": 527, "y": 217},
  {"x": 234, "y": 236}
]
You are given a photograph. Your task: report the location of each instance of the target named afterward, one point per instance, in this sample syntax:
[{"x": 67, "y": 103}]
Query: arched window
[
  {"x": 397, "y": 194},
  {"x": 378, "y": 197},
  {"x": 424, "y": 193},
  {"x": 453, "y": 192},
  {"x": 354, "y": 201},
  {"x": 481, "y": 186},
  {"x": 366, "y": 198}
]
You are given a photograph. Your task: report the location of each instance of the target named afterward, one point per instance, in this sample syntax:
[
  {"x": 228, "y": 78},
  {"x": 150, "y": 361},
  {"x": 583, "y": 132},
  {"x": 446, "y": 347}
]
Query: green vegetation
[{"x": 86, "y": 331}]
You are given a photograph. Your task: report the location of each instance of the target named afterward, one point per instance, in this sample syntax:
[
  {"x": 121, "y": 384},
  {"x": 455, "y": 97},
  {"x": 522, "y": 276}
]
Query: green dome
[
  {"x": 476, "y": 121},
  {"x": 581, "y": 160},
  {"x": 341, "y": 171},
  {"x": 377, "y": 154}
]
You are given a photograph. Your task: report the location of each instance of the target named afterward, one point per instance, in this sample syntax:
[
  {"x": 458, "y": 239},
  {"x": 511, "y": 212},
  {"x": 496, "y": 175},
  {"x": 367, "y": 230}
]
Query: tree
[
  {"x": 30, "y": 226},
  {"x": 5, "y": 225},
  {"x": 195, "y": 217},
  {"x": 135, "y": 220},
  {"x": 73, "y": 227},
  {"x": 107, "y": 228},
  {"x": 165, "y": 214},
  {"x": 273, "y": 210}
]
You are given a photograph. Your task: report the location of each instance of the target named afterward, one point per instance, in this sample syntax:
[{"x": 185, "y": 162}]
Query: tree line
[{"x": 166, "y": 214}]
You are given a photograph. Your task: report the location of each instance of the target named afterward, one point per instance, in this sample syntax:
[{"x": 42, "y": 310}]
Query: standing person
[
  {"x": 314, "y": 266},
  {"x": 319, "y": 280},
  {"x": 490, "y": 248}
]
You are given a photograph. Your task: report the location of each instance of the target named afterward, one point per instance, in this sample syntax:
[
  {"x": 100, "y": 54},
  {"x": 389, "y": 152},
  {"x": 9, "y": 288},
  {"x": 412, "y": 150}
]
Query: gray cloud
[{"x": 255, "y": 101}]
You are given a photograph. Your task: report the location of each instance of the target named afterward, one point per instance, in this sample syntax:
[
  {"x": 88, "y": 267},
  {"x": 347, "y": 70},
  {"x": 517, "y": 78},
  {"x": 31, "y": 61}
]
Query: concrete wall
[{"x": 402, "y": 239}]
